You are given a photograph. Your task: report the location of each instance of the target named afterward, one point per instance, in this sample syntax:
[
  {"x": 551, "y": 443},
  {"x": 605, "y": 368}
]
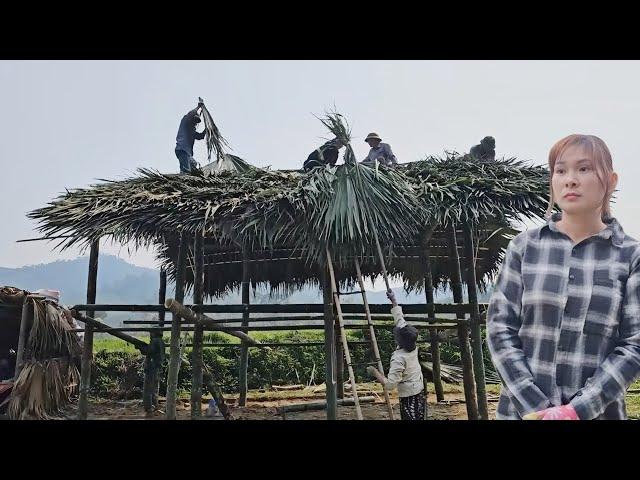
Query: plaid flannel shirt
[{"x": 564, "y": 322}]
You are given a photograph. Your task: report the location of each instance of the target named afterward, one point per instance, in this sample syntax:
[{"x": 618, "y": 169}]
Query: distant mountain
[
  {"x": 312, "y": 295},
  {"x": 120, "y": 282}
]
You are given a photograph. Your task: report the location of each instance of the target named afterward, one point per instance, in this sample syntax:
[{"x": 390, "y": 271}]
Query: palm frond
[
  {"x": 49, "y": 377},
  {"x": 215, "y": 141},
  {"x": 337, "y": 124},
  {"x": 43, "y": 388},
  {"x": 228, "y": 163}
]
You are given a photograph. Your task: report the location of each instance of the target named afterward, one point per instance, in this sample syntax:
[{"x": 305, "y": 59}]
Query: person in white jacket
[{"x": 404, "y": 372}]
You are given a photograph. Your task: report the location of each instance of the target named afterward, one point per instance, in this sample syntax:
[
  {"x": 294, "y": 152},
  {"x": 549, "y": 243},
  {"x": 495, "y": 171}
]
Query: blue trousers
[{"x": 187, "y": 162}]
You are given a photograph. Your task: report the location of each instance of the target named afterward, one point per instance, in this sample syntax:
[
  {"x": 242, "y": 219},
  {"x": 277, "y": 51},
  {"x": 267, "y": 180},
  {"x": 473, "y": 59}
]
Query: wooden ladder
[{"x": 343, "y": 338}]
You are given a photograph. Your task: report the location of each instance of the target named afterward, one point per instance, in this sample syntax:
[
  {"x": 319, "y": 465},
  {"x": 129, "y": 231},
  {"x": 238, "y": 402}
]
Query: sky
[{"x": 66, "y": 124}]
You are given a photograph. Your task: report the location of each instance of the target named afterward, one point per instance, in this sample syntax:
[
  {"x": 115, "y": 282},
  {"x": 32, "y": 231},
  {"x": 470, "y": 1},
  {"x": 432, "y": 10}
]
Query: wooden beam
[
  {"x": 270, "y": 328},
  {"x": 347, "y": 308},
  {"x": 104, "y": 328},
  {"x": 206, "y": 322}
]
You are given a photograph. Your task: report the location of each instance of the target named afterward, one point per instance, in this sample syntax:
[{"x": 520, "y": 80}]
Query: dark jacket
[
  {"x": 187, "y": 134},
  {"x": 326, "y": 154}
]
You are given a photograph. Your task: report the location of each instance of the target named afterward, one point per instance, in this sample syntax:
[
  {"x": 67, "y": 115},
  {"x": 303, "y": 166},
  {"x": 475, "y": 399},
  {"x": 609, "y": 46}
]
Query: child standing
[{"x": 405, "y": 372}]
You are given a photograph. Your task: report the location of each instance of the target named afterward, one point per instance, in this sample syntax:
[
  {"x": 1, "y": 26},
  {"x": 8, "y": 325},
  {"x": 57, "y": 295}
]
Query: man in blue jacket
[{"x": 185, "y": 139}]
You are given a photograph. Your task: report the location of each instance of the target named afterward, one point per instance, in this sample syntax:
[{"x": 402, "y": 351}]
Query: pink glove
[{"x": 563, "y": 412}]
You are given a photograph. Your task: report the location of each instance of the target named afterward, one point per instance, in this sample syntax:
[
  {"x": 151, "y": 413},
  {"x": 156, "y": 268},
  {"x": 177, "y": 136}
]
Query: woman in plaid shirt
[{"x": 564, "y": 319}]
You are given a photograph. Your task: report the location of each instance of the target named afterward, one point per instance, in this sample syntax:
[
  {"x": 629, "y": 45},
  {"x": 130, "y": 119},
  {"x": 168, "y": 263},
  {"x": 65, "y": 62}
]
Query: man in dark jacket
[
  {"x": 326, "y": 154},
  {"x": 185, "y": 139}
]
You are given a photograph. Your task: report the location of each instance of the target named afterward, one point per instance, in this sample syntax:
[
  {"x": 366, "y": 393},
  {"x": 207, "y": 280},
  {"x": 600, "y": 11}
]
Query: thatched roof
[
  {"x": 284, "y": 270},
  {"x": 286, "y": 218}
]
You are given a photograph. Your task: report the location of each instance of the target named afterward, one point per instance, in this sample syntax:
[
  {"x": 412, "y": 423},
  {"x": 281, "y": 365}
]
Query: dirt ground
[{"x": 264, "y": 405}]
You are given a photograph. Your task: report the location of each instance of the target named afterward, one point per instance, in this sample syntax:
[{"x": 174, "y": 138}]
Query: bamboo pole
[
  {"x": 104, "y": 328},
  {"x": 383, "y": 266},
  {"x": 207, "y": 323},
  {"x": 339, "y": 361},
  {"x": 213, "y": 326},
  {"x": 382, "y": 319},
  {"x": 463, "y": 330},
  {"x": 198, "y": 333},
  {"x": 87, "y": 352},
  {"x": 301, "y": 308},
  {"x": 372, "y": 337},
  {"x": 329, "y": 348},
  {"x": 321, "y": 405},
  {"x": 476, "y": 337},
  {"x": 294, "y": 344},
  {"x": 244, "y": 348},
  {"x": 162, "y": 295},
  {"x": 433, "y": 332},
  {"x": 174, "y": 359},
  {"x": 343, "y": 337}
]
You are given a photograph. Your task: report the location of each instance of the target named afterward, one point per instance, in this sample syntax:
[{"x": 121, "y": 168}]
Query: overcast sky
[{"x": 64, "y": 124}]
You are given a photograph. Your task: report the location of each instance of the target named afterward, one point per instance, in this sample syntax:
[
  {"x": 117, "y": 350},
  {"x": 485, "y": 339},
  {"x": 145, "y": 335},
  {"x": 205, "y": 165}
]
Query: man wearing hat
[
  {"x": 187, "y": 135},
  {"x": 379, "y": 151}
]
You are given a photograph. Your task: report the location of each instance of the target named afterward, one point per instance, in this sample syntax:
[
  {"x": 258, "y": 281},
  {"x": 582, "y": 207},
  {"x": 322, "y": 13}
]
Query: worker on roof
[
  {"x": 186, "y": 137},
  {"x": 379, "y": 151},
  {"x": 326, "y": 154}
]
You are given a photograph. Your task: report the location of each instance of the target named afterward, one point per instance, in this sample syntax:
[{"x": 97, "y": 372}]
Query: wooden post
[
  {"x": 433, "y": 332},
  {"x": 244, "y": 347},
  {"x": 174, "y": 359},
  {"x": 339, "y": 359},
  {"x": 463, "y": 331},
  {"x": 196, "y": 350},
  {"x": 26, "y": 321},
  {"x": 329, "y": 347},
  {"x": 162, "y": 296},
  {"x": 343, "y": 335},
  {"x": 149, "y": 383},
  {"x": 87, "y": 352},
  {"x": 216, "y": 393},
  {"x": 476, "y": 337}
]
